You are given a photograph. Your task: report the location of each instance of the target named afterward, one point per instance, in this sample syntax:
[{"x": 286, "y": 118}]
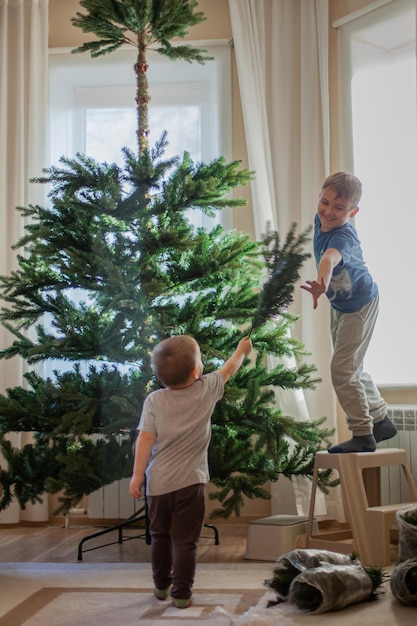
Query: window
[
  {"x": 92, "y": 106},
  {"x": 379, "y": 52}
]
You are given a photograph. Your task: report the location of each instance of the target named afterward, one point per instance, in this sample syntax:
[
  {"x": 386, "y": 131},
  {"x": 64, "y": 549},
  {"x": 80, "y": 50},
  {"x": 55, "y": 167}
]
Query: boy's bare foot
[{"x": 366, "y": 443}]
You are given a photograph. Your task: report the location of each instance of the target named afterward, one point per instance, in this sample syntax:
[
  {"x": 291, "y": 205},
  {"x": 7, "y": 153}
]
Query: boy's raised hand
[
  {"x": 245, "y": 344},
  {"x": 316, "y": 289},
  {"x": 233, "y": 363}
]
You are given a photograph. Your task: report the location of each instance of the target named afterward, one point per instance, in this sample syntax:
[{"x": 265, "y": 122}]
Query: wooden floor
[{"x": 57, "y": 544}]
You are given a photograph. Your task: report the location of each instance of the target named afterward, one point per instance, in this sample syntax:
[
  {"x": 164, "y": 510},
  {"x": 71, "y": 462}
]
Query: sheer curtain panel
[
  {"x": 23, "y": 98},
  {"x": 281, "y": 49}
]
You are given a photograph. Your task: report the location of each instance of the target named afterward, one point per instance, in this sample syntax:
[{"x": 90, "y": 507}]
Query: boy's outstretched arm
[
  {"x": 233, "y": 363},
  {"x": 144, "y": 445},
  {"x": 318, "y": 287}
]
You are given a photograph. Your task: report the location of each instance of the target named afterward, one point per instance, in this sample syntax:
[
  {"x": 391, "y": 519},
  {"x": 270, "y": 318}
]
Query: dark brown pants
[{"x": 175, "y": 521}]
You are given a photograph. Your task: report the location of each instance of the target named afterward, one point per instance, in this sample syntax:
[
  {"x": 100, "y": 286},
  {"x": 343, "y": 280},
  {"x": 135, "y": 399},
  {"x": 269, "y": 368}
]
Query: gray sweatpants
[{"x": 357, "y": 394}]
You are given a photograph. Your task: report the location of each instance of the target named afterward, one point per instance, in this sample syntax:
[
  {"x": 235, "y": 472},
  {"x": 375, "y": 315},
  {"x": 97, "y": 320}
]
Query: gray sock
[
  {"x": 384, "y": 429},
  {"x": 365, "y": 443}
]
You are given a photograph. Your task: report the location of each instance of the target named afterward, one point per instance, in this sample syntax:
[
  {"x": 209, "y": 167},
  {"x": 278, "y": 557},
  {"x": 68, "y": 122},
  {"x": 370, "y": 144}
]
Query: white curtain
[
  {"x": 281, "y": 49},
  {"x": 23, "y": 101}
]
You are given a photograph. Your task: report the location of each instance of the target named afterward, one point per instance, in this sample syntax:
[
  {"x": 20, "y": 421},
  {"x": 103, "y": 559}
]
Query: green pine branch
[
  {"x": 118, "y": 22},
  {"x": 283, "y": 264}
]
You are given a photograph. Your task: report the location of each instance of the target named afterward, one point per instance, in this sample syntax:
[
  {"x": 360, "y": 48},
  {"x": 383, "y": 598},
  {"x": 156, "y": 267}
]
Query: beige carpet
[{"x": 113, "y": 594}]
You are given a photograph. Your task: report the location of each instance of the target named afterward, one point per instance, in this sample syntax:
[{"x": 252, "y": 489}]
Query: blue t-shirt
[{"x": 352, "y": 286}]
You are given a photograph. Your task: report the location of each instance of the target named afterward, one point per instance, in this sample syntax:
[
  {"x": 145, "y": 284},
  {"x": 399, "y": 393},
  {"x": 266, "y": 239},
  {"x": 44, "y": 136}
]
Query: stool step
[
  {"x": 322, "y": 542},
  {"x": 280, "y": 520},
  {"x": 333, "y": 535},
  {"x": 389, "y": 508}
]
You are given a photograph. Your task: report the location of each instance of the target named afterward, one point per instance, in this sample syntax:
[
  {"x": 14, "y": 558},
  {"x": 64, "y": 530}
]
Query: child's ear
[{"x": 354, "y": 211}]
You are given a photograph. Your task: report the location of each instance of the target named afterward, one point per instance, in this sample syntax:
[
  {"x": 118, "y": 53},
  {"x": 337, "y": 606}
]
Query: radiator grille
[
  {"x": 112, "y": 501},
  {"x": 404, "y": 416},
  {"x": 393, "y": 485}
]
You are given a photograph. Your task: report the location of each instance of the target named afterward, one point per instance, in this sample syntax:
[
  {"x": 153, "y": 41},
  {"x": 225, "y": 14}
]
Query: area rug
[
  {"x": 113, "y": 594},
  {"x": 109, "y": 594}
]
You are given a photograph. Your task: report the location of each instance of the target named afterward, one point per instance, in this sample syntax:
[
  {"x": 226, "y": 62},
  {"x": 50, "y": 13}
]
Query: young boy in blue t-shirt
[{"x": 354, "y": 301}]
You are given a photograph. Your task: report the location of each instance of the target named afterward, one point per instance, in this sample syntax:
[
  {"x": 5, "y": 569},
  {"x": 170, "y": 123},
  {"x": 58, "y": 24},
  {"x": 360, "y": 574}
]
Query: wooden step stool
[{"x": 369, "y": 521}]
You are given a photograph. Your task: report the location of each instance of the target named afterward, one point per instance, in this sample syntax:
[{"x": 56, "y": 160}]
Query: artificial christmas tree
[{"x": 112, "y": 267}]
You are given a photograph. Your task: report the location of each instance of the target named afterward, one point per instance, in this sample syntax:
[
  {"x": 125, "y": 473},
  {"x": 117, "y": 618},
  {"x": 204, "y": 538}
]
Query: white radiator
[
  {"x": 393, "y": 486},
  {"x": 113, "y": 501}
]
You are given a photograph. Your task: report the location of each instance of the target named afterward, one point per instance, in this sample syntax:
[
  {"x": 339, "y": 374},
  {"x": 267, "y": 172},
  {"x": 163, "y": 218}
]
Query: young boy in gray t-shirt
[{"x": 174, "y": 435}]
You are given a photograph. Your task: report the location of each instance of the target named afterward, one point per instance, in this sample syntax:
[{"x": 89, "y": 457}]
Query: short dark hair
[
  {"x": 346, "y": 186},
  {"x": 174, "y": 359}
]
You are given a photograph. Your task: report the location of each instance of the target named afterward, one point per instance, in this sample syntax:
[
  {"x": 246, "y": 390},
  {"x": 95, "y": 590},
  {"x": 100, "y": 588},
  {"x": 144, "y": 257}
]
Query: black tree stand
[{"x": 141, "y": 515}]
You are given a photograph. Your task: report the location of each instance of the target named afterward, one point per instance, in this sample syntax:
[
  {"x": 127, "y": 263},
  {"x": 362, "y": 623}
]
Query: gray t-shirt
[{"x": 181, "y": 420}]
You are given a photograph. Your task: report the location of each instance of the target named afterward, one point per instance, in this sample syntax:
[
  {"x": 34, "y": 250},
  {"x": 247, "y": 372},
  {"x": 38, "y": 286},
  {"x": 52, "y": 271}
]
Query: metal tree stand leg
[
  {"x": 140, "y": 515},
  {"x": 215, "y": 531}
]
